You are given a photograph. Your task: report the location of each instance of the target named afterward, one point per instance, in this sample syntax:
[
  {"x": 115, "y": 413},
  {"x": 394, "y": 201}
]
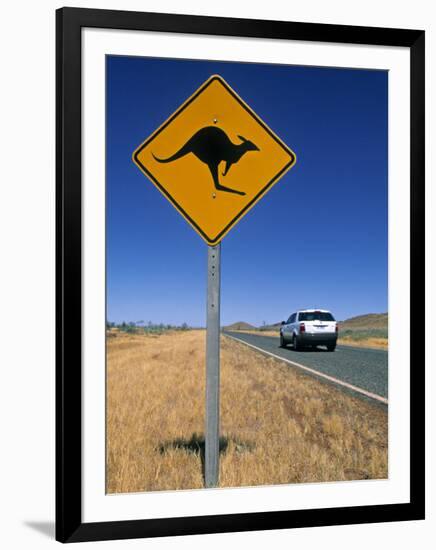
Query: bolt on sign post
[{"x": 213, "y": 159}]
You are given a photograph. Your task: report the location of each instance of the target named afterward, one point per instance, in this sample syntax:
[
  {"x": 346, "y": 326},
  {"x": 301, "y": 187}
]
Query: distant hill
[
  {"x": 365, "y": 322},
  {"x": 240, "y": 325}
]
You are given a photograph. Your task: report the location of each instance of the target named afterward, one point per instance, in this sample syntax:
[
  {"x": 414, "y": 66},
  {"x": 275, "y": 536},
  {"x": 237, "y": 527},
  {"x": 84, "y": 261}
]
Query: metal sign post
[{"x": 212, "y": 366}]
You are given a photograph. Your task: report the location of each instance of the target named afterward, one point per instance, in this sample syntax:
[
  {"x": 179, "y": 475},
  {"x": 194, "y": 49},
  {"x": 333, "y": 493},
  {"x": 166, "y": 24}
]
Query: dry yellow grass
[
  {"x": 260, "y": 332},
  {"x": 277, "y": 425},
  {"x": 374, "y": 343}
]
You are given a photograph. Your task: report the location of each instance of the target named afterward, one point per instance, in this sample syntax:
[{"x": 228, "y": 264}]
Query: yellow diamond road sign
[{"x": 214, "y": 158}]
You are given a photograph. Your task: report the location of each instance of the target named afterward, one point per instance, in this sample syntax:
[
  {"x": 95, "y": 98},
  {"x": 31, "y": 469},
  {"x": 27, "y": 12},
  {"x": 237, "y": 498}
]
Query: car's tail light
[
  {"x": 337, "y": 328},
  {"x": 302, "y": 327}
]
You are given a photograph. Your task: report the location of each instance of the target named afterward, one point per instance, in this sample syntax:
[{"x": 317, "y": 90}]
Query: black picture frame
[{"x": 69, "y": 525}]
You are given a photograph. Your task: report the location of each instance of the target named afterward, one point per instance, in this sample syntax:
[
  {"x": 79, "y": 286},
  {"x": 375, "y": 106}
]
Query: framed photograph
[{"x": 240, "y": 272}]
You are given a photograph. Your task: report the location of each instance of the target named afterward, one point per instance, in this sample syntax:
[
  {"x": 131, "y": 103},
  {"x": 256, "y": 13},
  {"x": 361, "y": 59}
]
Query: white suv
[{"x": 310, "y": 327}]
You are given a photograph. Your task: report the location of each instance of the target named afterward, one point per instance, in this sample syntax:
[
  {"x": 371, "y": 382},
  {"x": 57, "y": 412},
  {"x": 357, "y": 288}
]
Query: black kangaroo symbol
[{"x": 211, "y": 145}]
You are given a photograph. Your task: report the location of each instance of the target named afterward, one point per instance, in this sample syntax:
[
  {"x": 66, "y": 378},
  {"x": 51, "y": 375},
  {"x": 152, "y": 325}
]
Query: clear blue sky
[{"x": 318, "y": 238}]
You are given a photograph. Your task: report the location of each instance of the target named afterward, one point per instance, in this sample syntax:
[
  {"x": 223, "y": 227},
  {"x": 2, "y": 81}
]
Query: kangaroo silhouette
[{"x": 211, "y": 145}]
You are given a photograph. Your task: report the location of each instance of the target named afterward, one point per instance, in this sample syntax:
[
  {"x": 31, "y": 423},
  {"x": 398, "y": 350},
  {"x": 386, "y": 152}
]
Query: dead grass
[
  {"x": 277, "y": 425},
  {"x": 260, "y": 332},
  {"x": 374, "y": 343}
]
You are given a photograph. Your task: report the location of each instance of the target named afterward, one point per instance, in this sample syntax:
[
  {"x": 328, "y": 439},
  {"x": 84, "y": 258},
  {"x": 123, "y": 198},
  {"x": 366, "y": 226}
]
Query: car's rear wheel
[
  {"x": 282, "y": 341},
  {"x": 331, "y": 347},
  {"x": 295, "y": 343}
]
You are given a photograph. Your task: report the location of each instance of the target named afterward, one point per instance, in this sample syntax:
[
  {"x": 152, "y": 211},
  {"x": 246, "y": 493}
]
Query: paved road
[{"x": 363, "y": 368}]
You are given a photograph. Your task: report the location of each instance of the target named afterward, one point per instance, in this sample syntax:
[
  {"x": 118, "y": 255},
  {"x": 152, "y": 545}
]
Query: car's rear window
[{"x": 315, "y": 316}]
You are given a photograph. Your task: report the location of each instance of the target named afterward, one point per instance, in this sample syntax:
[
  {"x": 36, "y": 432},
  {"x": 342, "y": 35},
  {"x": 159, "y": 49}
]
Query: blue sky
[{"x": 317, "y": 239}]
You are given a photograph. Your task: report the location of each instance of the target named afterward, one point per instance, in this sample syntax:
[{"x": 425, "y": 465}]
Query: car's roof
[{"x": 312, "y": 310}]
